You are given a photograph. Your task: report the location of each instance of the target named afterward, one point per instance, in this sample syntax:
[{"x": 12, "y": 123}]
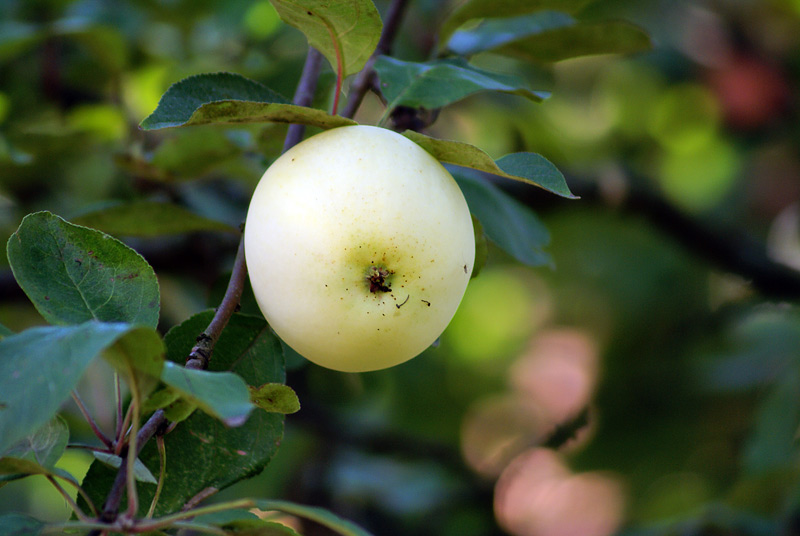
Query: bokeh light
[{"x": 537, "y": 495}]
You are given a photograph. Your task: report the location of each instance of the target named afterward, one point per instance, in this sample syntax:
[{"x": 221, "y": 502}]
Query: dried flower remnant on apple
[{"x": 390, "y": 233}]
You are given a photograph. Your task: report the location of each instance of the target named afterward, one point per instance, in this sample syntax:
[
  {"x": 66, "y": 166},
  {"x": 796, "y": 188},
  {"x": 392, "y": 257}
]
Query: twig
[
  {"x": 162, "y": 470},
  {"x": 304, "y": 95},
  {"x": 75, "y": 508},
  {"x": 92, "y": 424},
  {"x": 365, "y": 78},
  {"x": 201, "y": 353}
]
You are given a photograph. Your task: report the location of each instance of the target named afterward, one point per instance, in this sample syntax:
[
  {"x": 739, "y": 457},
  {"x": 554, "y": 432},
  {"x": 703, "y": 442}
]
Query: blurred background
[{"x": 647, "y": 382}]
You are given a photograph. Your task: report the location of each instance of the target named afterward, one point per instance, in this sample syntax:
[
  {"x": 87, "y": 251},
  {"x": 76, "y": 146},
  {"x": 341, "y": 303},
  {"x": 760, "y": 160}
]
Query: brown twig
[
  {"x": 365, "y": 78},
  {"x": 304, "y": 95},
  {"x": 201, "y": 352}
]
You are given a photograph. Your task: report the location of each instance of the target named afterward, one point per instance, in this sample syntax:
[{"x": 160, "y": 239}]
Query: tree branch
[
  {"x": 728, "y": 249},
  {"x": 201, "y": 353},
  {"x": 366, "y": 77}
]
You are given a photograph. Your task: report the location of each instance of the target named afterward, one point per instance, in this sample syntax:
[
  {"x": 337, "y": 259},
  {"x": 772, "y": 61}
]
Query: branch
[
  {"x": 304, "y": 95},
  {"x": 201, "y": 353},
  {"x": 366, "y": 77},
  {"x": 728, "y": 249}
]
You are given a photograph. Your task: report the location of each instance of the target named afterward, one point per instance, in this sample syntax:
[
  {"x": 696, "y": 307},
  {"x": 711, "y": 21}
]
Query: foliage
[{"x": 623, "y": 352}]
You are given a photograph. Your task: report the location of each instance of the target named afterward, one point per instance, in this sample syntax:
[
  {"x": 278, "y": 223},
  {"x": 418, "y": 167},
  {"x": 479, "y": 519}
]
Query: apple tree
[{"x": 161, "y": 346}]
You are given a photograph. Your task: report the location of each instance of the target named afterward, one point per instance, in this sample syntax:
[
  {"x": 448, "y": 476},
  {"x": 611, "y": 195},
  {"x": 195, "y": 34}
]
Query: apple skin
[{"x": 359, "y": 246}]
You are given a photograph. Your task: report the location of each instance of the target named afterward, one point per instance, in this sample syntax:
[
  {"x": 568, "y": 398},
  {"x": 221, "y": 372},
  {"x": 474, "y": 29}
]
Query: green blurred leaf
[
  {"x": 40, "y": 366},
  {"x": 194, "y": 152},
  {"x": 349, "y": 29},
  {"x": 16, "y": 37},
  {"x": 4, "y": 331},
  {"x": 438, "y": 83},
  {"x": 494, "y": 33},
  {"x": 45, "y": 446},
  {"x": 19, "y": 525},
  {"x": 141, "y": 472},
  {"x": 73, "y": 274},
  {"x": 318, "y": 515},
  {"x": 552, "y": 41},
  {"x": 507, "y": 222},
  {"x": 275, "y": 398},
  {"x": 487, "y": 9},
  {"x": 529, "y": 168},
  {"x": 230, "y": 98},
  {"x": 202, "y": 452},
  {"x": 103, "y": 42},
  {"x": 773, "y": 443},
  {"x": 260, "y": 528},
  {"x": 148, "y": 219},
  {"x": 223, "y": 395},
  {"x": 15, "y": 468}
]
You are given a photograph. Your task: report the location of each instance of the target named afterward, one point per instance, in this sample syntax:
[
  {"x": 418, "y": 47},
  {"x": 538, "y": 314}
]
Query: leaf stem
[
  {"x": 70, "y": 501},
  {"x": 92, "y": 423},
  {"x": 162, "y": 470},
  {"x": 366, "y": 77},
  {"x": 180, "y": 516},
  {"x": 133, "y": 452},
  {"x": 118, "y": 400}
]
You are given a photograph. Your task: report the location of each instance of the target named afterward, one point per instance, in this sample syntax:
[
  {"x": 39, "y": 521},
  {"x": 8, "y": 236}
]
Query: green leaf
[
  {"x": 275, "y": 398},
  {"x": 347, "y": 29},
  {"x": 487, "y": 9},
  {"x": 194, "y": 152},
  {"x": 494, "y": 33},
  {"x": 140, "y": 471},
  {"x": 318, "y": 515},
  {"x": 139, "y": 359},
  {"x": 19, "y": 525},
  {"x": 438, "y": 83},
  {"x": 45, "y": 446},
  {"x": 148, "y": 219},
  {"x": 40, "y": 366},
  {"x": 580, "y": 39},
  {"x": 260, "y": 528},
  {"x": 4, "y": 331},
  {"x": 223, "y": 395},
  {"x": 230, "y": 98},
  {"x": 73, "y": 274},
  {"x": 202, "y": 452},
  {"x": 529, "y": 168},
  {"x": 507, "y": 222},
  {"x": 16, "y": 37}
]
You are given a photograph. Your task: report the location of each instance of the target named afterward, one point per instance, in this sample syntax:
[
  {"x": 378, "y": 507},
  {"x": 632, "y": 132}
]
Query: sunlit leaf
[
  {"x": 148, "y": 219},
  {"x": 73, "y": 274},
  {"x": 507, "y": 222},
  {"x": 318, "y": 515},
  {"x": 275, "y": 398},
  {"x": 202, "y": 451},
  {"x": 529, "y": 168},
  {"x": 487, "y": 9},
  {"x": 40, "y": 366},
  {"x": 438, "y": 83},
  {"x": 230, "y": 98},
  {"x": 346, "y": 29}
]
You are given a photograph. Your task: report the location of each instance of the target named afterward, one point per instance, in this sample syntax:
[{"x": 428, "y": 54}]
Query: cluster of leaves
[{"x": 101, "y": 298}]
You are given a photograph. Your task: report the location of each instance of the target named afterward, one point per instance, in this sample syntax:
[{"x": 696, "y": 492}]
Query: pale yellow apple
[{"x": 359, "y": 246}]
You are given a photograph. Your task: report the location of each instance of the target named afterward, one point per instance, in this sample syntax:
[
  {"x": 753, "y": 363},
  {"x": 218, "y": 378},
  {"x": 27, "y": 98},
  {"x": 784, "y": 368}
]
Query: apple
[{"x": 359, "y": 245}]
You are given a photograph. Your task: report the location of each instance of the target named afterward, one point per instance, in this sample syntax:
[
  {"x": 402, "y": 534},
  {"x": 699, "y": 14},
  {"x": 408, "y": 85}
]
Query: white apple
[{"x": 359, "y": 246}]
